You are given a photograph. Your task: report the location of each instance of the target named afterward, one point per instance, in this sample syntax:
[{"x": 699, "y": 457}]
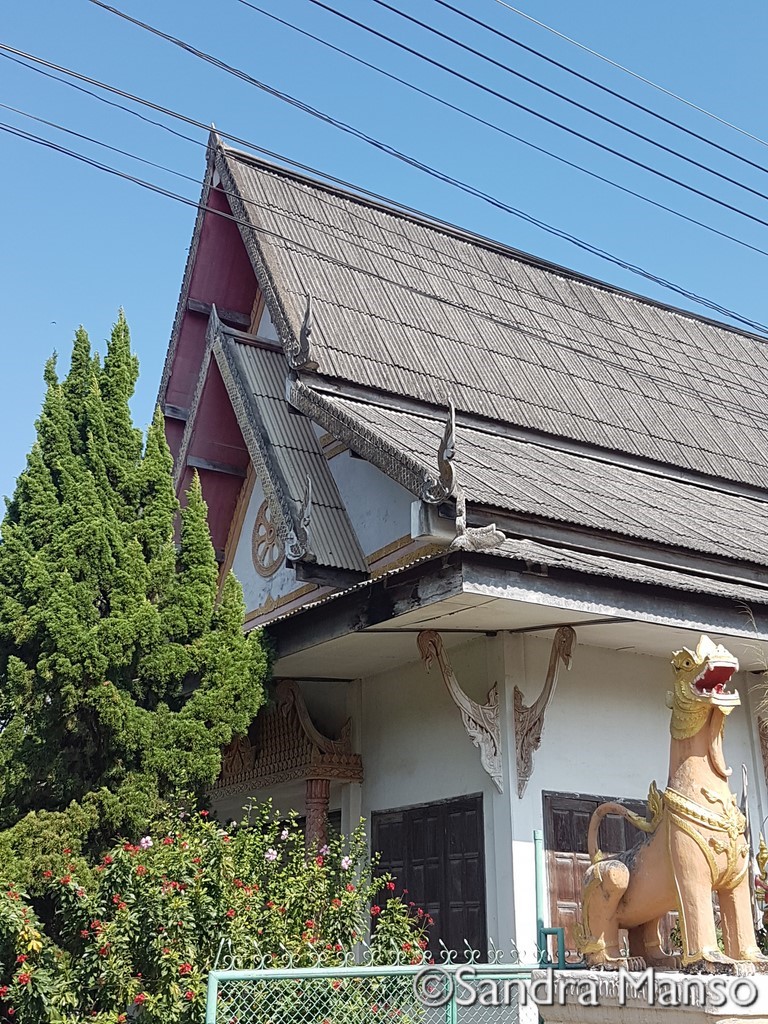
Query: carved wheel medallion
[{"x": 267, "y": 548}]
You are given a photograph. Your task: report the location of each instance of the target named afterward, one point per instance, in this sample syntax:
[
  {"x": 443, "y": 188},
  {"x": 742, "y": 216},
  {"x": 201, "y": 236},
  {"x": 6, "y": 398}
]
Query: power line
[
  {"x": 355, "y": 243},
  {"x": 634, "y": 74},
  {"x": 503, "y": 131},
  {"x": 530, "y": 110},
  {"x": 95, "y": 95},
  {"x": 599, "y": 85},
  {"x": 96, "y": 142},
  {"x": 412, "y": 161},
  {"x": 259, "y": 230},
  {"x": 566, "y": 99},
  {"x": 587, "y": 247}
]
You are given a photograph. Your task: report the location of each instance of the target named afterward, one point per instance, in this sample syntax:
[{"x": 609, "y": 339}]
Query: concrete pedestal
[{"x": 661, "y": 997}]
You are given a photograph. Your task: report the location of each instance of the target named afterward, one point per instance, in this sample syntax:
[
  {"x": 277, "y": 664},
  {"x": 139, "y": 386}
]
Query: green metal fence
[{"x": 446, "y": 993}]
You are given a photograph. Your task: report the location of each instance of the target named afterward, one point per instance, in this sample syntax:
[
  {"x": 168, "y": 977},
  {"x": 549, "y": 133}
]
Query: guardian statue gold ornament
[{"x": 695, "y": 844}]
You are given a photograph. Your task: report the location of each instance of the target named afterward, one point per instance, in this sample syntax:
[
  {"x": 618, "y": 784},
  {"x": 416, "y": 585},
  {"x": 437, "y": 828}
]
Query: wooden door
[
  {"x": 566, "y": 821},
  {"x": 436, "y": 851}
]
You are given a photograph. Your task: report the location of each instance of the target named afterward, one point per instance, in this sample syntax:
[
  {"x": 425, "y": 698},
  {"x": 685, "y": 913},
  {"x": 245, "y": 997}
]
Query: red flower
[
  {"x": 66, "y": 879},
  {"x": 185, "y": 968},
  {"x": 225, "y": 839},
  {"x": 96, "y": 925},
  {"x": 21, "y": 958},
  {"x": 189, "y": 994},
  {"x": 337, "y": 947},
  {"x": 336, "y": 902},
  {"x": 336, "y": 984},
  {"x": 122, "y": 906},
  {"x": 104, "y": 950},
  {"x": 350, "y": 887},
  {"x": 196, "y": 860},
  {"x": 375, "y": 910},
  {"x": 84, "y": 934},
  {"x": 391, "y": 886},
  {"x": 122, "y": 1018},
  {"x": 3, "y": 991},
  {"x": 116, "y": 898},
  {"x": 107, "y": 860},
  {"x": 407, "y": 947},
  {"x": 309, "y": 924},
  {"x": 168, "y": 841},
  {"x": 24, "y": 978},
  {"x": 230, "y": 913},
  {"x": 319, "y": 861},
  {"x": 270, "y": 904},
  {"x": 204, "y": 814},
  {"x": 140, "y": 998},
  {"x": 10, "y": 1011},
  {"x": 141, "y": 869},
  {"x": 47, "y": 874},
  {"x": 66, "y": 850}
]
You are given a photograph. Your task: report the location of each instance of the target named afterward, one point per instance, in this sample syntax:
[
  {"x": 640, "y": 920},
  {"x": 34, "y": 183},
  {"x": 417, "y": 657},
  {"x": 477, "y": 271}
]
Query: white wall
[
  {"x": 606, "y": 733},
  {"x": 379, "y": 509}
]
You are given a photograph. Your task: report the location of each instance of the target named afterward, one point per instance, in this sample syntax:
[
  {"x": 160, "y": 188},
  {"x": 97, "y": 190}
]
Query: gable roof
[
  {"x": 282, "y": 446},
  {"x": 414, "y": 309}
]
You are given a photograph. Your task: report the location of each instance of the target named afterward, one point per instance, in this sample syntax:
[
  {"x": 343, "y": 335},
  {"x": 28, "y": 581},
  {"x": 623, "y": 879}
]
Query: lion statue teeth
[{"x": 694, "y": 844}]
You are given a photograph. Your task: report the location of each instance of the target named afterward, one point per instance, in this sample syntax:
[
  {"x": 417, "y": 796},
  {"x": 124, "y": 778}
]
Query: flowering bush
[{"x": 133, "y": 937}]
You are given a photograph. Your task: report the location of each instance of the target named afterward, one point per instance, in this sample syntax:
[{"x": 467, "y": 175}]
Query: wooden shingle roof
[{"x": 413, "y": 309}]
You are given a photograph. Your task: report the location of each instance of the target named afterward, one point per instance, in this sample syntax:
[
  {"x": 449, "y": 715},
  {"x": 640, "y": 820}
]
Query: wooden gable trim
[{"x": 284, "y": 744}]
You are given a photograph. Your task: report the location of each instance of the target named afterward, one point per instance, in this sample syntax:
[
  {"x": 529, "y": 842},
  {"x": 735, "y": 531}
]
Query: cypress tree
[{"x": 122, "y": 674}]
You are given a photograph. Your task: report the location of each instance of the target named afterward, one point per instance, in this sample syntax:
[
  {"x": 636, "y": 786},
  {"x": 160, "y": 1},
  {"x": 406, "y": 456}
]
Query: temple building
[{"x": 476, "y": 501}]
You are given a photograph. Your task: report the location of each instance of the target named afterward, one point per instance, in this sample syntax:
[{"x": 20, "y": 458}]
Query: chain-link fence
[{"x": 449, "y": 993}]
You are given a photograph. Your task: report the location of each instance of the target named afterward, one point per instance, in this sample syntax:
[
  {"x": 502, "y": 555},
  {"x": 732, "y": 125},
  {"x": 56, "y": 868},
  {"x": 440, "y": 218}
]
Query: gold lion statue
[{"x": 694, "y": 844}]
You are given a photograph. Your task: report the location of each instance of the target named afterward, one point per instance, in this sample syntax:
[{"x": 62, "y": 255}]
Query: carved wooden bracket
[
  {"x": 284, "y": 744},
  {"x": 762, "y": 728},
  {"x": 480, "y": 720},
  {"x": 529, "y": 721}
]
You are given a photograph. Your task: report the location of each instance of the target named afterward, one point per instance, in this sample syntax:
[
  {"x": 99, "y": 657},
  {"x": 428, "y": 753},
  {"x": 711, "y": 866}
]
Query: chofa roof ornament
[
  {"x": 298, "y": 351},
  {"x": 447, "y": 486},
  {"x": 299, "y": 548}
]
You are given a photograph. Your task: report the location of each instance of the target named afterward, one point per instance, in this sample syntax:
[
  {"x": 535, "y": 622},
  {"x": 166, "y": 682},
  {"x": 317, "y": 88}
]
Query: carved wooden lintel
[
  {"x": 529, "y": 720},
  {"x": 284, "y": 744},
  {"x": 480, "y": 720}
]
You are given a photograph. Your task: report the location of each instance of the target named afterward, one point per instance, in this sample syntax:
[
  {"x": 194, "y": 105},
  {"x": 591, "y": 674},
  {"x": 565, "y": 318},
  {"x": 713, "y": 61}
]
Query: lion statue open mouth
[{"x": 694, "y": 844}]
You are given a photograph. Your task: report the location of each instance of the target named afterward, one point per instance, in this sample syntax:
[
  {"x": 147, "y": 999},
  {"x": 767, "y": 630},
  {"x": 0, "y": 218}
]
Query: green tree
[{"x": 123, "y": 668}]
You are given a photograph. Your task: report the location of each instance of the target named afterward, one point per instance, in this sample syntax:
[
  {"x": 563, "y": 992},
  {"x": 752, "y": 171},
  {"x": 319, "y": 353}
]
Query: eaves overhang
[{"x": 371, "y": 627}]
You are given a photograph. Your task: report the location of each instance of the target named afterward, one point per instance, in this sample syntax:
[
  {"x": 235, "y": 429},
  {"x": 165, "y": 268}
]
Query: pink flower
[
  {"x": 346, "y": 863},
  {"x": 270, "y": 855},
  {"x": 146, "y": 843}
]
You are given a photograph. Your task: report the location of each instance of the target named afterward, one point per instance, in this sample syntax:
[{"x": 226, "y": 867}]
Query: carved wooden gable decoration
[{"x": 284, "y": 745}]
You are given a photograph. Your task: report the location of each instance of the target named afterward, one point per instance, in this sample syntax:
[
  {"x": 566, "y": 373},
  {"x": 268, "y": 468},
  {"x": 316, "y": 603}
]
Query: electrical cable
[
  {"x": 588, "y": 247},
  {"x": 390, "y": 150},
  {"x": 634, "y": 74},
  {"x": 335, "y": 261},
  {"x": 353, "y": 240},
  {"x": 604, "y": 88},
  {"x": 96, "y": 142},
  {"x": 505, "y": 132},
  {"x": 101, "y": 99},
  {"x": 561, "y": 96}
]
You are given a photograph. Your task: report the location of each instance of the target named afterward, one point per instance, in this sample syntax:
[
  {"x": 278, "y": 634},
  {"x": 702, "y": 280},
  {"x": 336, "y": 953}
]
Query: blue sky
[{"x": 77, "y": 244}]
